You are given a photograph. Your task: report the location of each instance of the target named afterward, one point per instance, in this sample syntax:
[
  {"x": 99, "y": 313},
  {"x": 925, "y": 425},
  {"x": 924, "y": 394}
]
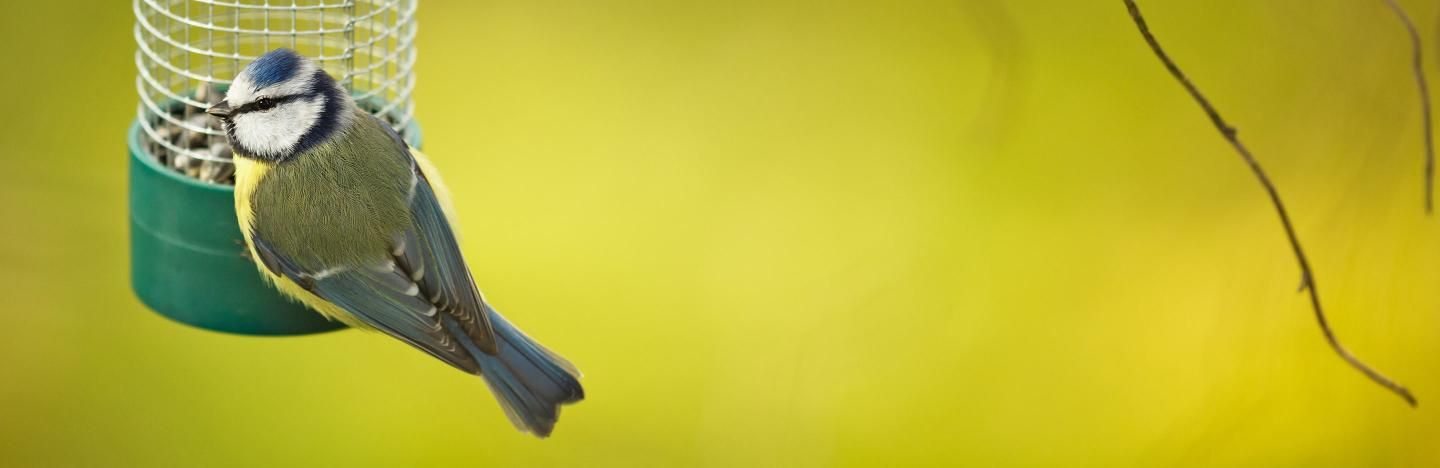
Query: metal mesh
[{"x": 190, "y": 50}]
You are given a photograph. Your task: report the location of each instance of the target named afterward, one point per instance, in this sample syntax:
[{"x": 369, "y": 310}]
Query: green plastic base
[{"x": 187, "y": 256}]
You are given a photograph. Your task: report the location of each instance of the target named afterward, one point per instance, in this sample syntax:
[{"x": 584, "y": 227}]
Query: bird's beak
[{"x": 221, "y": 110}]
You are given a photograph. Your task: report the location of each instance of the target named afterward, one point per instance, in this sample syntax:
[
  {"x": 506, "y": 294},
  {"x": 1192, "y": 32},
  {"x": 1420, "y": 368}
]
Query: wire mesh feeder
[
  {"x": 190, "y": 50},
  {"x": 186, "y": 259}
]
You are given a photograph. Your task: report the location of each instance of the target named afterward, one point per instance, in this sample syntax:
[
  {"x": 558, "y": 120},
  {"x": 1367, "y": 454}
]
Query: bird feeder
[{"x": 188, "y": 261}]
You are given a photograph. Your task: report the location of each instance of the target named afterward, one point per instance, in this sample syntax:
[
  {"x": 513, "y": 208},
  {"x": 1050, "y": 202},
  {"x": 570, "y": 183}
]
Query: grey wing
[
  {"x": 429, "y": 253},
  {"x": 382, "y": 296}
]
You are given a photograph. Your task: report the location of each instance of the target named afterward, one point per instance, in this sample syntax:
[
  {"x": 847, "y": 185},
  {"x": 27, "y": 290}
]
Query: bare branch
[
  {"x": 1424, "y": 104},
  {"x": 1307, "y": 277}
]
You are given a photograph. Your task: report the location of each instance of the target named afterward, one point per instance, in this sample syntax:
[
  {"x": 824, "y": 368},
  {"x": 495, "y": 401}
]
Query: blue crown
[{"x": 276, "y": 66}]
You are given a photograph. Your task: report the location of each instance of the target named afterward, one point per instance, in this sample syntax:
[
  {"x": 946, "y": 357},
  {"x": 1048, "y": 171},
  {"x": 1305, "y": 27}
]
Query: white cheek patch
[{"x": 276, "y": 131}]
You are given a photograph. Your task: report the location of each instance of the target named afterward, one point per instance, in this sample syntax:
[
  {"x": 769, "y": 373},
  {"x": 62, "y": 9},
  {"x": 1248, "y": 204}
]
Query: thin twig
[
  {"x": 1307, "y": 278},
  {"x": 1424, "y": 104}
]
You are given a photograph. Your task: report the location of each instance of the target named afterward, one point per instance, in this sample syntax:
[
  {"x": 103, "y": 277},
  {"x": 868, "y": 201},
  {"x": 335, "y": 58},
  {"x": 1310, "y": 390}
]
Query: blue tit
[{"x": 342, "y": 215}]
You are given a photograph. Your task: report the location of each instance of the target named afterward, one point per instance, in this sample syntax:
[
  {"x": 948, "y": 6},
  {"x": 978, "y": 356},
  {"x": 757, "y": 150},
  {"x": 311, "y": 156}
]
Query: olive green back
[{"x": 340, "y": 204}]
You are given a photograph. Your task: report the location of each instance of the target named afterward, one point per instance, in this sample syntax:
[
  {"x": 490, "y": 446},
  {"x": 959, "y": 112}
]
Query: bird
[{"x": 341, "y": 214}]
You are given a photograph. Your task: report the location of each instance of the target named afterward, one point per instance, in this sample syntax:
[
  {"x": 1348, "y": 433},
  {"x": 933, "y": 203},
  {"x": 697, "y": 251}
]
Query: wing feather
[
  {"x": 430, "y": 245},
  {"x": 379, "y": 298}
]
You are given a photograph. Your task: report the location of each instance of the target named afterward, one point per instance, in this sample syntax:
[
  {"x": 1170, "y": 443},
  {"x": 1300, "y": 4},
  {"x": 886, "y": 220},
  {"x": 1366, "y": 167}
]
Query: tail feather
[{"x": 530, "y": 382}]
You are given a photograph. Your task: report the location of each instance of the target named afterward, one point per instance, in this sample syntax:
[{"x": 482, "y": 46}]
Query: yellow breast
[{"x": 248, "y": 173}]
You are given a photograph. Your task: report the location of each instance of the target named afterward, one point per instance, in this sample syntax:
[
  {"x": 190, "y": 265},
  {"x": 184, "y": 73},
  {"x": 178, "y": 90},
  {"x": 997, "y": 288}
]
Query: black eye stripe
[{"x": 266, "y": 103}]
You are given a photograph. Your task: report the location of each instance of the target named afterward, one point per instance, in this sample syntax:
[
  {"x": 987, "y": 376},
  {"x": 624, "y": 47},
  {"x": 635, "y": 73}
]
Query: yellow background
[{"x": 780, "y": 233}]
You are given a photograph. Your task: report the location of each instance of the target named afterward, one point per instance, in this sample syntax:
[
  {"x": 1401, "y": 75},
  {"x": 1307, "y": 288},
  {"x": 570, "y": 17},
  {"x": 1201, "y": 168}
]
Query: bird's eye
[{"x": 264, "y": 104}]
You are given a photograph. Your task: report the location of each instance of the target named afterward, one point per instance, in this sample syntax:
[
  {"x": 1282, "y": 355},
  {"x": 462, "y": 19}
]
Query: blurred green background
[{"x": 787, "y": 233}]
